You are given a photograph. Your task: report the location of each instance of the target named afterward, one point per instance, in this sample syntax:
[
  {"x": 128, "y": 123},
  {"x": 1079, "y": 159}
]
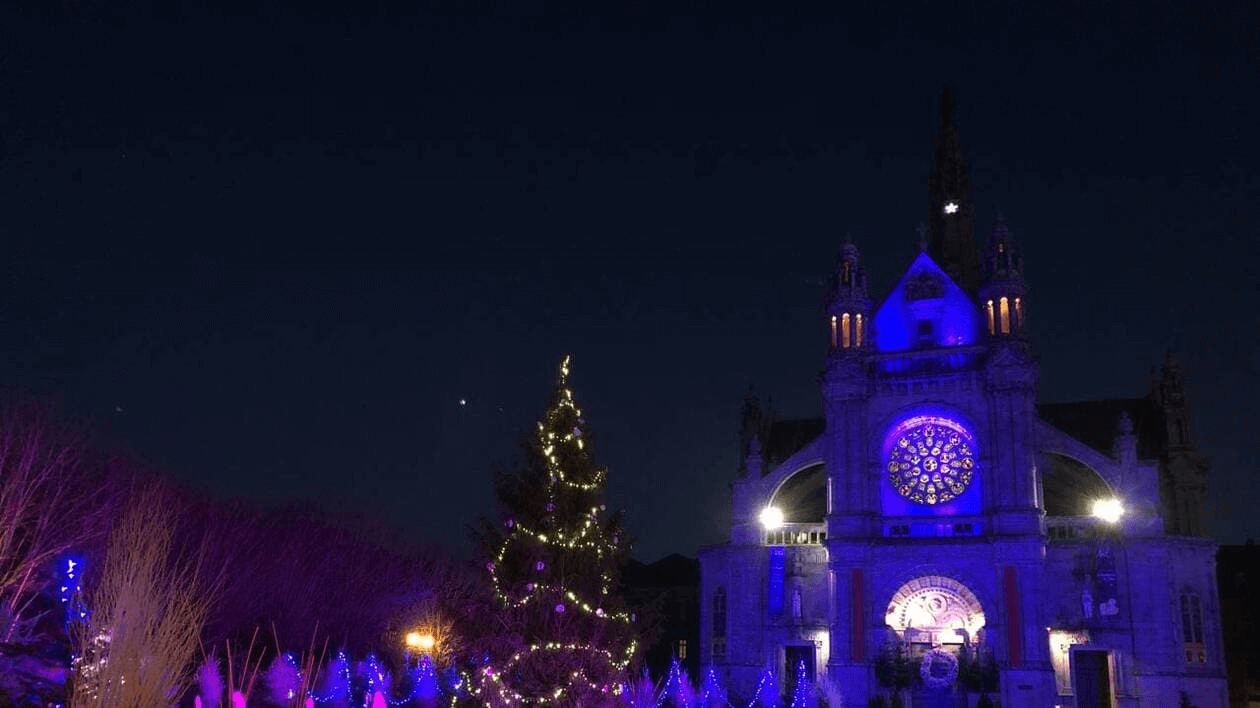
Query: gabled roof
[{"x": 926, "y": 292}]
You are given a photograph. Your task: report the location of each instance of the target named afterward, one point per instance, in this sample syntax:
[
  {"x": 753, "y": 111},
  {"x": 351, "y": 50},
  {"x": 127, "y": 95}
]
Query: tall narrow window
[
  {"x": 1019, "y": 315},
  {"x": 719, "y": 624},
  {"x": 833, "y": 331},
  {"x": 859, "y": 330},
  {"x": 1004, "y": 314},
  {"x": 844, "y": 330},
  {"x": 1192, "y": 629},
  {"x": 988, "y": 307}
]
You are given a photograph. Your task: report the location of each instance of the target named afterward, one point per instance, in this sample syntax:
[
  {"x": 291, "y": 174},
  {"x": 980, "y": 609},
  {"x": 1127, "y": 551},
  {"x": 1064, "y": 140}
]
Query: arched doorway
[
  {"x": 936, "y": 620},
  {"x": 935, "y": 612}
]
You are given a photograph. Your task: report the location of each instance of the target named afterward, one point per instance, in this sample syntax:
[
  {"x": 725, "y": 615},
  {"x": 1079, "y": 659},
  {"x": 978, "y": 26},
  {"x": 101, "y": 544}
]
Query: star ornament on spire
[{"x": 951, "y": 207}]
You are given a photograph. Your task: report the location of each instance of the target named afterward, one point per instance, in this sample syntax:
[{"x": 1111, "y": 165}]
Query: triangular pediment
[{"x": 926, "y": 309}]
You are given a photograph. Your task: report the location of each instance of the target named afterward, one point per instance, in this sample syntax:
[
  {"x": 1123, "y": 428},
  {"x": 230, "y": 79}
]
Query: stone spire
[{"x": 951, "y": 213}]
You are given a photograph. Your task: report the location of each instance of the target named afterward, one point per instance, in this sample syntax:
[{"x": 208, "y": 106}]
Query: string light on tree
[{"x": 553, "y": 568}]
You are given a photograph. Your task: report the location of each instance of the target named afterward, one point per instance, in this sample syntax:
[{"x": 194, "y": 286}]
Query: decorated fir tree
[{"x": 553, "y": 563}]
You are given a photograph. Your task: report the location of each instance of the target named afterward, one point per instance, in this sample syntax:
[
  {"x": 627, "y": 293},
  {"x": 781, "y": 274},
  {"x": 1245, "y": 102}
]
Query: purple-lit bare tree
[
  {"x": 149, "y": 606},
  {"x": 54, "y": 500},
  {"x": 51, "y": 501}
]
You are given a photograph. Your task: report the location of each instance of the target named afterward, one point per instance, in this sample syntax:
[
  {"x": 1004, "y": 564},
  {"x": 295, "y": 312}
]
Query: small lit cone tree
[{"x": 554, "y": 563}]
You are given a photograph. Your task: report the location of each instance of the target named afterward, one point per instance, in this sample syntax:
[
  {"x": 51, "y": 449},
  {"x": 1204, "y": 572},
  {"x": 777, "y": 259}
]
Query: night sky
[{"x": 270, "y": 248}]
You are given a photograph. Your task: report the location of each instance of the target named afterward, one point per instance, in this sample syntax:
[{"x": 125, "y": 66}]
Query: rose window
[{"x": 931, "y": 460}]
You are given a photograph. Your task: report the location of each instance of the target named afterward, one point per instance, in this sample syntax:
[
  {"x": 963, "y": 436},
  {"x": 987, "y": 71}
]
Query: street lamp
[
  {"x": 423, "y": 642},
  {"x": 771, "y": 518},
  {"x": 1109, "y": 510}
]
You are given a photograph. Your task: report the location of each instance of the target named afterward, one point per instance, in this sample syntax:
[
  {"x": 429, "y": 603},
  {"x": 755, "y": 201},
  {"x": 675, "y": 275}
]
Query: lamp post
[
  {"x": 1108, "y": 510},
  {"x": 771, "y": 518},
  {"x": 420, "y": 642}
]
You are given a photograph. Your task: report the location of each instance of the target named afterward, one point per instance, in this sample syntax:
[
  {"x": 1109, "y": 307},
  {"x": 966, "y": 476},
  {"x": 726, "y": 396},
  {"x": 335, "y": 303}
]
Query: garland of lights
[
  {"x": 554, "y": 435},
  {"x": 930, "y": 659}
]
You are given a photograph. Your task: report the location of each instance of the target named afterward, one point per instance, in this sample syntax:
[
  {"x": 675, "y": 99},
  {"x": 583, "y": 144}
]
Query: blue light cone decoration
[
  {"x": 767, "y": 693},
  {"x": 800, "y": 694},
  {"x": 681, "y": 690},
  {"x": 712, "y": 695},
  {"x": 336, "y": 685},
  {"x": 424, "y": 687}
]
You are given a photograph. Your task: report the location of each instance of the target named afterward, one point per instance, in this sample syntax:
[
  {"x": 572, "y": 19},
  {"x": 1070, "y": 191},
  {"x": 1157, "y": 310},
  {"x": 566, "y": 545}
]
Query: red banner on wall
[{"x": 1014, "y": 622}]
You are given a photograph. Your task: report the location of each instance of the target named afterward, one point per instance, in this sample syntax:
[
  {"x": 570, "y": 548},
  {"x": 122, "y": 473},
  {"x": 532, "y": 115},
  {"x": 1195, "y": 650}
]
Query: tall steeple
[{"x": 951, "y": 213}]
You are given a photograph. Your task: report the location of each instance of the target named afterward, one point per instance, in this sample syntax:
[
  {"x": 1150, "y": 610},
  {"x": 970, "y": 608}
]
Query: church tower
[
  {"x": 850, "y": 308},
  {"x": 1003, "y": 294},
  {"x": 951, "y": 213},
  {"x": 1184, "y": 476}
]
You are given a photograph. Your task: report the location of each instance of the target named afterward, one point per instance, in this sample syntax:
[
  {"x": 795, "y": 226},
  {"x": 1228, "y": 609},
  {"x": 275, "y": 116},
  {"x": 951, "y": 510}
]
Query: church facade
[{"x": 939, "y": 534}]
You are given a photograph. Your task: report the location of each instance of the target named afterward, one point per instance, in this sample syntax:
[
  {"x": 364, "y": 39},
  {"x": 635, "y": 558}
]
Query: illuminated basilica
[{"x": 940, "y": 535}]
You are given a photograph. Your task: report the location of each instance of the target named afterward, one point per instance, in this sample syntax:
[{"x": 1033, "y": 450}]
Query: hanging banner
[{"x": 777, "y": 571}]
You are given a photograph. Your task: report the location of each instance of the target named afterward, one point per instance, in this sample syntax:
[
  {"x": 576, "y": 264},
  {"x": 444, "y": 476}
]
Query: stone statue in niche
[
  {"x": 796, "y": 603},
  {"x": 1087, "y": 603}
]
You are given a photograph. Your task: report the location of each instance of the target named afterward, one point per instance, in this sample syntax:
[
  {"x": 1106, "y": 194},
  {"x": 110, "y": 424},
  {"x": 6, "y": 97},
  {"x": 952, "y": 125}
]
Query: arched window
[
  {"x": 1019, "y": 315},
  {"x": 1192, "y": 629},
  {"x": 833, "y": 331},
  {"x": 988, "y": 308},
  {"x": 1004, "y": 312},
  {"x": 719, "y": 624},
  {"x": 844, "y": 330},
  {"x": 859, "y": 330}
]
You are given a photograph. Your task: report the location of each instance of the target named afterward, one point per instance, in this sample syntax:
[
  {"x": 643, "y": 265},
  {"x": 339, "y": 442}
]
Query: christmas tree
[{"x": 554, "y": 564}]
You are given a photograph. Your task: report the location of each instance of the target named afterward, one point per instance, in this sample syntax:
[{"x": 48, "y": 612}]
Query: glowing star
[
  {"x": 463, "y": 401},
  {"x": 951, "y": 207}
]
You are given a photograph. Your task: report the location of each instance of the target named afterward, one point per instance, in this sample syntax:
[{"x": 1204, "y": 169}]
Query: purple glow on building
[{"x": 925, "y": 310}]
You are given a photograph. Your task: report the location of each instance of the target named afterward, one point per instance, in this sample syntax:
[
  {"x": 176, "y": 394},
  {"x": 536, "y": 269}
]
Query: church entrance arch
[{"x": 935, "y": 612}]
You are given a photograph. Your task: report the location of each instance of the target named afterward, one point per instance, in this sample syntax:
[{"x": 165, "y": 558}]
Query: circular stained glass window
[{"x": 931, "y": 460}]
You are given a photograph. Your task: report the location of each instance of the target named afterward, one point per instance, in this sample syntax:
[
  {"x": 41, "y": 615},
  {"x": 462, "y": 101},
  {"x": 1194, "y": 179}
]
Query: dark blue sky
[{"x": 270, "y": 247}]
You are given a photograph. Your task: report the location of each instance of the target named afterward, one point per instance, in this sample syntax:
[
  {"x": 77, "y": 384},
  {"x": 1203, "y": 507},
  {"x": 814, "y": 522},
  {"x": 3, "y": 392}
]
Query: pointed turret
[
  {"x": 1171, "y": 396},
  {"x": 951, "y": 214},
  {"x": 1184, "y": 477},
  {"x": 849, "y": 313},
  {"x": 1003, "y": 292}
]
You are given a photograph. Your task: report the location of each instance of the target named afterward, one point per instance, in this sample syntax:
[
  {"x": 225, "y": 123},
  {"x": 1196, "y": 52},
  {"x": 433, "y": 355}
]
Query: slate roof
[
  {"x": 1095, "y": 422},
  {"x": 787, "y": 436}
]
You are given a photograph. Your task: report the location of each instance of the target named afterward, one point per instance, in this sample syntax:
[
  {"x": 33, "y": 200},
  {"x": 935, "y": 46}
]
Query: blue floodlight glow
[{"x": 942, "y": 315}]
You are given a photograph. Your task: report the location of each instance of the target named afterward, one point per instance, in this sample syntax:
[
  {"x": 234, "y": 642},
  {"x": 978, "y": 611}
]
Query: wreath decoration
[{"x": 939, "y": 669}]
